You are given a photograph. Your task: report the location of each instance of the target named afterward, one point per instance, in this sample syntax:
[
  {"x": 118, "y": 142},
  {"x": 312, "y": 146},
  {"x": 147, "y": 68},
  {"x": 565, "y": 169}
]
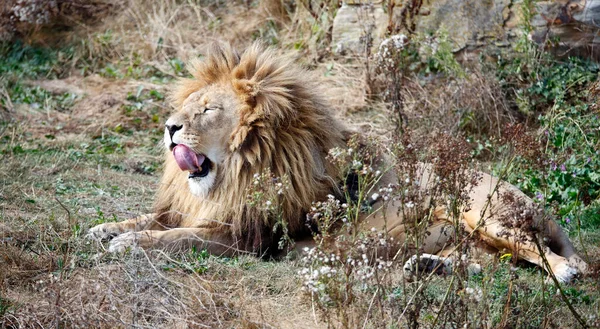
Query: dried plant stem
[
  {"x": 443, "y": 301},
  {"x": 67, "y": 210},
  {"x": 507, "y": 305},
  {"x": 370, "y": 306},
  {"x": 562, "y": 293},
  {"x": 423, "y": 285}
]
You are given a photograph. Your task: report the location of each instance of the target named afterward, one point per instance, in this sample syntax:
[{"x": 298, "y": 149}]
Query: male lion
[{"x": 242, "y": 115}]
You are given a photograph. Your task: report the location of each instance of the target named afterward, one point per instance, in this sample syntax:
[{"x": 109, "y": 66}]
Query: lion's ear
[
  {"x": 250, "y": 115},
  {"x": 245, "y": 137},
  {"x": 238, "y": 137},
  {"x": 248, "y": 88},
  {"x": 244, "y": 140},
  {"x": 250, "y": 120}
]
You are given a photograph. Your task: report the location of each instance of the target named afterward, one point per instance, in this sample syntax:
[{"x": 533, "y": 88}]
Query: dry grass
[
  {"x": 51, "y": 275},
  {"x": 150, "y": 290},
  {"x": 474, "y": 105},
  {"x": 66, "y": 168}
]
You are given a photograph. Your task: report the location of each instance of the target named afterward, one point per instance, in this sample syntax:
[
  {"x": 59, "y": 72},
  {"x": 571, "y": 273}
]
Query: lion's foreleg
[
  {"x": 214, "y": 240},
  {"x": 109, "y": 230}
]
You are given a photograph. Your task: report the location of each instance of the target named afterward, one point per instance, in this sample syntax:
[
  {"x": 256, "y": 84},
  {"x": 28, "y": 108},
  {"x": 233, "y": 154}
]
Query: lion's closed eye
[{"x": 210, "y": 109}]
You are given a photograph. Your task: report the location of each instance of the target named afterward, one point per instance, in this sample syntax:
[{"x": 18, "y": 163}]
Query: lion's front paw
[
  {"x": 104, "y": 231},
  {"x": 124, "y": 241}
]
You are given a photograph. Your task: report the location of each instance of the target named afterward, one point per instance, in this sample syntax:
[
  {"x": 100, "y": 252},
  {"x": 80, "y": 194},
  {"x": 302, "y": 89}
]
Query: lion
[{"x": 244, "y": 114}]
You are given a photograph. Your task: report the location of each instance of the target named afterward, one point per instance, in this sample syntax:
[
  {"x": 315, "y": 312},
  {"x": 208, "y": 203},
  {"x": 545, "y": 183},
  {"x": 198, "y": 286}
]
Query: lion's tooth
[{"x": 199, "y": 160}]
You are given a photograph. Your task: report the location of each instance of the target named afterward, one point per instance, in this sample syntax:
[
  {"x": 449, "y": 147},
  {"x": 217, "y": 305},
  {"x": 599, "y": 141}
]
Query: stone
[
  {"x": 466, "y": 22},
  {"x": 353, "y": 24},
  {"x": 570, "y": 28},
  {"x": 361, "y": 2}
]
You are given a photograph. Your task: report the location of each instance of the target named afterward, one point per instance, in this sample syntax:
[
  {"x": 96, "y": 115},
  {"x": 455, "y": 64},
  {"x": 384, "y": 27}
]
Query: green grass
[{"x": 28, "y": 61}]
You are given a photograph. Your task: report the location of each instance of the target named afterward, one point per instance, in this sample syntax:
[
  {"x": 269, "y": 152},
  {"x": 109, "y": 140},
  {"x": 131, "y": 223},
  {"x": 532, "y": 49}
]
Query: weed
[
  {"x": 568, "y": 180},
  {"x": 40, "y": 99},
  {"x": 27, "y": 61},
  {"x": 102, "y": 219},
  {"x": 195, "y": 261},
  {"x": 266, "y": 194}
]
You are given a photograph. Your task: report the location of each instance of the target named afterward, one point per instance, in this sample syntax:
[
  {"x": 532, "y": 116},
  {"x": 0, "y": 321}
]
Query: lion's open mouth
[{"x": 197, "y": 164}]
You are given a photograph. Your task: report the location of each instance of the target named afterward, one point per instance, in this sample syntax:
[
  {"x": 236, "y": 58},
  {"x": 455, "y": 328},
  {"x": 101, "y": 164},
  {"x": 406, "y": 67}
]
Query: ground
[{"x": 81, "y": 146}]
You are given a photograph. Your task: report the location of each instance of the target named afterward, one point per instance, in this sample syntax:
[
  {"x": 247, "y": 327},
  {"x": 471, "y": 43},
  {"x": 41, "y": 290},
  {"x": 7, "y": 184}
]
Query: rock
[
  {"x": 570, "y": 27},
  {"x": 467, "y": 22},
  {"x": 361, "y": 2},
  {"x": 19, "y": 18},
  {"x": 354, "y": 24}
]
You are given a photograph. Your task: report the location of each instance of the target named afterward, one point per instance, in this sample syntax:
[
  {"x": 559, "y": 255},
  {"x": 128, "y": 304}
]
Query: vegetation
[{"x": 81, "y": 122}]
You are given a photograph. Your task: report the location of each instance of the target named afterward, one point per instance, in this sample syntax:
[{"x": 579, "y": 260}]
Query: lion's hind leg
[
  {"x": 560, "y": 243},
  {"x": 500, "y": 237},
  {"x": 427, "y": 263},
  {"x": 560, "y": 267}
]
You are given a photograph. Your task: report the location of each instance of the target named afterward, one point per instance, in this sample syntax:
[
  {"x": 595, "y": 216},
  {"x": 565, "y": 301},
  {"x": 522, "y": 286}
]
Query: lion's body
[{"x": 241, "y": 116}]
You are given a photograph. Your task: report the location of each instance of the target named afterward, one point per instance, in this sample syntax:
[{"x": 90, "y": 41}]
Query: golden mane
[{"x": 285, "y": 127}]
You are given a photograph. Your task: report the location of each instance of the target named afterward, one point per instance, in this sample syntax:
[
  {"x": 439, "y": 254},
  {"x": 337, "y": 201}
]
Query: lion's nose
[{"x": 172, "y": 129}]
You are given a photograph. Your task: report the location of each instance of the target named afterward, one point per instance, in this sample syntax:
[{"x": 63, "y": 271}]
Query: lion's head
[
  {"x": 198, "y": 134},
  {"x": 241, "y": 115}
]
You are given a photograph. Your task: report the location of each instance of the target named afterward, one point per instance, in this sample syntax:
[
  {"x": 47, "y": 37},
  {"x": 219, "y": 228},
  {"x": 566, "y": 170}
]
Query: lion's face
[{"x": 198, "y": 134}]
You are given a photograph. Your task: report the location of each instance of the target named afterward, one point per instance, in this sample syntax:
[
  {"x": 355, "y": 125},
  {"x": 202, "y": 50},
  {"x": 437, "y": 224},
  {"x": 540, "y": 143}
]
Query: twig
[
  {"x": 562, "y": 293},
  {"x": 62, "y": 269},
  {"x": 67, "y": 210},
  {"x": 443, "y": 302},
  {"x": 507, "y": 306},
  {"x": 370, "y": 305}
]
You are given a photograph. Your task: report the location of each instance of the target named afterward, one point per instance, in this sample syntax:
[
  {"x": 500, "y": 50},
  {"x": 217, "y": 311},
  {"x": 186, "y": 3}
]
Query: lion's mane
[{"x": 284, "y": 126}]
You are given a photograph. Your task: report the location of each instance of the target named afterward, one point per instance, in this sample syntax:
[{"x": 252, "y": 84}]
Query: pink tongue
[{"x": 187, "y": 159}]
